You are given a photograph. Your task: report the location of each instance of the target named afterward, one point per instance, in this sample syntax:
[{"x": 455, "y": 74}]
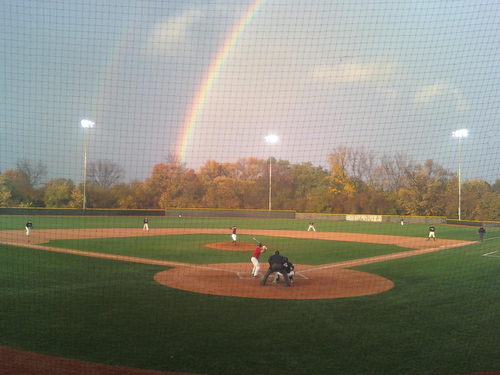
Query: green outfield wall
[
  {"x": 78, "y": 212},
  {"x": 257, "y": 214}
]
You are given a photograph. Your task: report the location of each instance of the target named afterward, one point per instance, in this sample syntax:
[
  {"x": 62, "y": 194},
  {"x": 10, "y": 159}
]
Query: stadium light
[
  {"x": 461, "y": 133},
  {"x": 271, "y": 139},
  {"x": 86, "y": 124}
]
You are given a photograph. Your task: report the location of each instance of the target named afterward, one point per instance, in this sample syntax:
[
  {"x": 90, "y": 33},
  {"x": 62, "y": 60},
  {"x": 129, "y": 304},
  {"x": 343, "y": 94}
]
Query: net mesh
[{"x": 325, "y": 130}]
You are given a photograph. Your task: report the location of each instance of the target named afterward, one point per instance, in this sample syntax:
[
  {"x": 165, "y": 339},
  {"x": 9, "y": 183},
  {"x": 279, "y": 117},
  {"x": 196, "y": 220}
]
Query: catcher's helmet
[{"x": 285, "y": 259}]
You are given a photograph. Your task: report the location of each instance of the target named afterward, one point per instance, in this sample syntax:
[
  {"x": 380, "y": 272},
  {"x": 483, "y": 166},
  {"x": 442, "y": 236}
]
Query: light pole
[
  {"x": 461, "y": 133},
  {"x": 271, "y": 139},
  {"x": 86, "y": 124}
]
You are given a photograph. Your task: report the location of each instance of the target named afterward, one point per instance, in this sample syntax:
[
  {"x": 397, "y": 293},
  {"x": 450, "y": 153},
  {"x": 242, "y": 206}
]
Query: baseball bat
[{"x": 256, "y": 240}]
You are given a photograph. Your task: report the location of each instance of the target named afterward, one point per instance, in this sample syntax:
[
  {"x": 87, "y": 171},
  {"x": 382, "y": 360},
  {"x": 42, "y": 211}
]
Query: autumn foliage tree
[
  {"x": 356, "y": 182},
  {"x": 425, "y": 192},
  {"x": 339, "y": 182}
]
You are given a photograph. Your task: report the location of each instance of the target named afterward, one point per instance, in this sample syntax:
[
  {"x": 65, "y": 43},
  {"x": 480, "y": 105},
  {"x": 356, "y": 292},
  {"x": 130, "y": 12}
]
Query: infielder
[
  {"x": 28, "y": 227},
  {"x": 289, "y": 268},
  {"x": 233, "y": 235},
  {"x": 145, "y": 225},
  {"x": 260, "y": 249},
  {"x": 432, "y": 233}
]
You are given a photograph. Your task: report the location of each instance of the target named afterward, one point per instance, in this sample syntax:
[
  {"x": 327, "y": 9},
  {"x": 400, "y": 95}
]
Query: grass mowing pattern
[
  {"x": 439, "y": 318},
  {"x": 191, "y": 249},
  {"x": 393, "y": 229}
]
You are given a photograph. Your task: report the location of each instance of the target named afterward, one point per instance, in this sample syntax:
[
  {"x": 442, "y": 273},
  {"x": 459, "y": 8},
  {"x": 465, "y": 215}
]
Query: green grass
[
  {"x": 395, "y": 229},
  {"x": 191, "y": 249},
  {"x": 440, "y": 318}
]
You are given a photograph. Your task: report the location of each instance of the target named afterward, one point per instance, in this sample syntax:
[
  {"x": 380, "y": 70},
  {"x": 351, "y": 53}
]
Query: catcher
[
  {"x": 276, "y": 265},
  {"x": 255, "y": 258},
  {"x": 289, "y": 269}
]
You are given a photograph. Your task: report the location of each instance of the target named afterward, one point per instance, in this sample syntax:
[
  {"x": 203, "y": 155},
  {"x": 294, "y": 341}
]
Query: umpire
[{"x": 276, "y": 265}]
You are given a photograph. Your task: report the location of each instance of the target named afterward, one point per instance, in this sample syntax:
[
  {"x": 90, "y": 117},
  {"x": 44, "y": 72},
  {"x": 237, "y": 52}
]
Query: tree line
[{"x": 355, "y": 182}]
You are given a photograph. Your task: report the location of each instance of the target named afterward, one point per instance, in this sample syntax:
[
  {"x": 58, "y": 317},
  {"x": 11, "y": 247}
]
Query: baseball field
[{"x": 100, "y": 295}]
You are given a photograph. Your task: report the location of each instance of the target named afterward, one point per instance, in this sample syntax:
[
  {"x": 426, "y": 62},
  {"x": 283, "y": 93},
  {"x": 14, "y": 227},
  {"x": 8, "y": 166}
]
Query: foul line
[
  {"x": 493, "y": 252},
  {"x": 122, "y": 258},
  {"x": 382, "y": 258}
]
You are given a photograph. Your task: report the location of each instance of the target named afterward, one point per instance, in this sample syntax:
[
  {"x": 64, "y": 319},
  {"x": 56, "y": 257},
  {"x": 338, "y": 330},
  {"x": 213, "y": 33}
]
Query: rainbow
[{"x": 211, "y": 75}]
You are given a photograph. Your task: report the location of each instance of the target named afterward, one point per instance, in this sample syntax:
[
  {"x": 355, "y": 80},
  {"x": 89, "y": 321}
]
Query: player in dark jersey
[
  {"x": 289, "y": 269},
  {"x": 432, "y": 233},
  {"x": 28, "y": 227}
]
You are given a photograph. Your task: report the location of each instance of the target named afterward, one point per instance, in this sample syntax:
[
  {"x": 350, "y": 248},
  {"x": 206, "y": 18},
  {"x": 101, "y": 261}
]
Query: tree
[
  {"x": 161, "y": 176},
  {"x": 58, "y": 192},
  {"x": 77, "y": 197},
  {"x": 4, "y": 192},
  {"x": 496, "y": 186},
  {"x": 34, "y": 173},
  {"x": 489, "y": 207},
  {"x": 472, "y": 193},
  {"x": 282, "y": 186},
  {"x": 425, "y": 191},
  {"x": 105, "y": 173},
  {"x": 213, "y": 169},
  {"x": 390, "y": 175},
  {"x": 360, "y": 168},
  {"x": 339, "y": 181},
  {"x": 17, "y": 183},
  {"x": 183, "y": 190}
]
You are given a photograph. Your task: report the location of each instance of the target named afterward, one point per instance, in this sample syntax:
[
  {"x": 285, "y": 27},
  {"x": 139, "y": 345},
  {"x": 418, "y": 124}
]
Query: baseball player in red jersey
[{"x": 255, "y": 258}]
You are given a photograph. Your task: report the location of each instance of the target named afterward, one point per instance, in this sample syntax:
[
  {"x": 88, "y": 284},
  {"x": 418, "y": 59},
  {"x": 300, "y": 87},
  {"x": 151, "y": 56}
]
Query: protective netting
[{"x": 148, "y": 147}]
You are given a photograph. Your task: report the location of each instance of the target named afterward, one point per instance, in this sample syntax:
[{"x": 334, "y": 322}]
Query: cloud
[
  {"x": 170, "y": 36},
  {"x": 353, "y": 72},
  {"x": 438, "y": 91}
]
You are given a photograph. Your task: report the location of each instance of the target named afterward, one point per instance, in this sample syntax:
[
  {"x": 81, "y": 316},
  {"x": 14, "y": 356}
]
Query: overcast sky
[{"x": 386, "y": 76}]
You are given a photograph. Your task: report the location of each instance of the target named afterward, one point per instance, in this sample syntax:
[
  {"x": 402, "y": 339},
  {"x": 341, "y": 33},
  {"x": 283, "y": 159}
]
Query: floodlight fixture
[
  {"x": 272, "y": 138},
  {"x": 461, "y": 133},
  {"x": 87, "y": 124}
]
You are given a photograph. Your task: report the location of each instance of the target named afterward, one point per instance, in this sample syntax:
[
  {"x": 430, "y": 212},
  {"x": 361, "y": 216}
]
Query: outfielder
[
  {"x": 260, "y": 249},
  {"x": 145, "y": 226},
  {"x": 311, "y": 226}
]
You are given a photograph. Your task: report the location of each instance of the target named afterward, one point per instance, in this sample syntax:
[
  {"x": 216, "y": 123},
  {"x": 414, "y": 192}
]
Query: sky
[{"x": 211, "y": 79}]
